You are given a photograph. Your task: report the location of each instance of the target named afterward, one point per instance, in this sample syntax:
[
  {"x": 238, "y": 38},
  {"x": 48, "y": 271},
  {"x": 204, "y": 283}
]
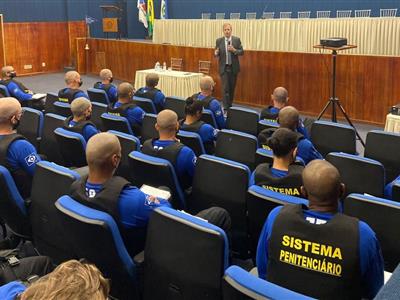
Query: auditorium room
[{"x": 199, "y": 149}]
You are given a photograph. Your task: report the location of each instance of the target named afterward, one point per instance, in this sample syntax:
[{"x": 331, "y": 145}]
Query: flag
[
  {"x": 164, "y": 11},
  {"x": 150, "y": 16},
  {"x": 89, "y": 20},
  {"x": 141, "y": 5}
]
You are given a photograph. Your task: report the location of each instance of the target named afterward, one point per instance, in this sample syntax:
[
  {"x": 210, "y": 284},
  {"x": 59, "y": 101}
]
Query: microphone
[{"x": 229, "y": 42}]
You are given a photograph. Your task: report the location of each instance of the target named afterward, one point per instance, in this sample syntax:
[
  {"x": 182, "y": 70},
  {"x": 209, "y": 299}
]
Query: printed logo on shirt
[
  {"x": 91, "y": 193},
  {"x": 31, "y": 159},
  {"x": 218, "y": 113},
  {"x": 215, "y": 133},
  {"x": 194, "y": 160}
]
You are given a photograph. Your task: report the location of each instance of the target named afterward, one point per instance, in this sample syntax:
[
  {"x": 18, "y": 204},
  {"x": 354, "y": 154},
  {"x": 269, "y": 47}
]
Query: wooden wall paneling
[
  {"x": 2, "y": 47},
  {"x": 366, "y": 85},
  {"x": 81, "y": 55},
  {"x": 76, "y": 29}
]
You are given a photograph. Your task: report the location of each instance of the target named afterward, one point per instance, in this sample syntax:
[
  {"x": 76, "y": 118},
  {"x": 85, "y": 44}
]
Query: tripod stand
[{"x": 333, "y": 100}]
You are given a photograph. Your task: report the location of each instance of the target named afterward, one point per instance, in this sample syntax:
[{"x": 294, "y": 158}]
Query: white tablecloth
[
  {"x": 392, "y": 123},
  {"x": 172, "y": 83}
]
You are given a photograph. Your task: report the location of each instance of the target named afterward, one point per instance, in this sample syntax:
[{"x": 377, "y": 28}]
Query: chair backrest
[
  {"x": 146, "y": 104},
  {"x": 219, "y": 16},
  {"x": 97, "y": 110},
  {"x": 49, "y": 104},
  {"x": 268, "y": 15},
  {"x": 265, "y": 124},
  {"x": 118, "y": 123},
  {"x": 4, "y": 91},
  {"x": 208, "y": 117},
  {"x": 204, "y": 66},
  {"x": 362, "y": 13},
  {"x": 98, "y": 95},
  {"x": 148, "y": 127},
  {"x": 47, "y": 230},
  {"x": 192, "y": 140},
  {"x": 176, "y": 64},
  {"x": 62, "y": 108},
  {"x": 384, "y": 147},
  {"x": 223, "y": 183},
  {"x": 388, "y": 12},
  {"x": 154, "y": 171},
  {"x": 285, "y": 14},
  {"x": 72, "y": 147},
  {"x": 48, "y": 144},
  {"x": 12, "y": 206},
  {"x": 94, "y": 235},
  {"x": 237, "y": 146},
  {"x": 240, "y": 284},
  {"x": 206, "y": 16},
  {"x": 260, "y": 202},
  {"x": 177, "y": 104},
  {"x": 193, "y": 259},
  {"x": 333, "y": 137},
  {"x": 234, "y": 16},
  {"x": 343, "y": 13},
  {"x": 128, "y": 143},
  {"x": 323, "y": 14},
  {"x": 359, "y": 174},
  {"x": 242, "y": 119},
  {"x": 383, "y": 216},
  {"x": 251, "y": 15},
  {"x": 31, "y": 126},
  {"x": 303, "y": 14}
]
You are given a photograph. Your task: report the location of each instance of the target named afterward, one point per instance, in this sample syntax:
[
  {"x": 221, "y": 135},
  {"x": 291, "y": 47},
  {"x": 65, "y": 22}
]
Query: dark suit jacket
[{"x": 237, "y": 44}]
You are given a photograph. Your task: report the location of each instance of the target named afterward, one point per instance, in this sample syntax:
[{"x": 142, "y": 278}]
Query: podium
[{"x": 111, "y": 24}]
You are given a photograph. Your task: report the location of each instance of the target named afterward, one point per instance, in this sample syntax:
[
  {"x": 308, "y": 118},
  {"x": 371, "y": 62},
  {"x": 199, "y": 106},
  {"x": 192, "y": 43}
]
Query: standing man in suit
[{"x": 227, "y": 49}]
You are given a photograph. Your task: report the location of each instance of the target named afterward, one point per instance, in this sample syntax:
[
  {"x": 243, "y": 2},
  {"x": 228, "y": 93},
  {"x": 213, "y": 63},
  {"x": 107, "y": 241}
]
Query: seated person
[
  {"x": 16, "y": 153},
  {"x": 280, "y": 99},
  {"x": 289, "y": 118},
  {"x": 128, "y": 205},
  {"x": 389, "y": 188},
  {"x": 318, "y": 251},
  {"x": 151, "y": 92},
  {"x": 72, "y": 91},
  {"x": 168, "y": 147},
  {"x": 192, "y": 122},
  {"x": 207, "y": 87},
  {"x": 284, "y": 176},
  {"x": 81, "y": 109},
  {"x": 18, "y": 90},
  {"x": 70, "y": 280},
  {"x": 125, "y": 107},
  {"x": 105, "y": 84}
]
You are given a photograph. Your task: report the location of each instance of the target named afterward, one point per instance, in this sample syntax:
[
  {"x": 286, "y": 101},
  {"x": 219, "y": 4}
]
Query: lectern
[{"x": 111, "y": 24}]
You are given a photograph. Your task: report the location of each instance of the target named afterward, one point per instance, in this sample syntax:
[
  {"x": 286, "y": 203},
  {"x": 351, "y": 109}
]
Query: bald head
[
  {"x": 80, "y": 106},
  {"x": 125, "y": 90},
  {"x": 72, "y": 77},
  {"x": 101, "y": 151},
  {"x": 321, "y": 182},
  {"x": 206, "y": 83},
  {"x": 167, "y": 121},
  {"x": 106, "y": 74},
  {"x": 288, "y": 117},
  {"x": 152, "y": 80},
  {"x": 9, "y": 108},
  {"x": 280, "y": 95},
  {"x": 6, "y": 70}
]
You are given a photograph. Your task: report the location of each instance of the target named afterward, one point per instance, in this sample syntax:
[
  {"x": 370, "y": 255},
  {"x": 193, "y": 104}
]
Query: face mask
[
  {"x": 80, "y": 82},
  {"x": 111, "y": 79},
  {"x": 16, "y": 124},
  {"x": 88, "y": 117},
  {"x": 13, "y": 74}
]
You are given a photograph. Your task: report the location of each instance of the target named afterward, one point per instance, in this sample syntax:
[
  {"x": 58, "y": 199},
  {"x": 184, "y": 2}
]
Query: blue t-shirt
[
  {"x": 22, "y": 155},
  {"x": 185, "y": 162},
  {"x": 208, "y": 133},
  {"x": 112, "y": 92},
  {"x": 371, "y": 261},
  {"x": 17, "y": 93},
  {"x": 134, "y": 206},
  {"x": 134, "y": 114},
  {"x": 307, "y": 151},
  {"x": 77, "y": 95},
  {"x": 159, "y": 97},
  {"x": 88, "y": 131},
  {"x": 11, "y": 290},
  {"x": 216, "y": 108},
  {"x": 274, "y": 172},
  {"x": 389, "y": 188}
]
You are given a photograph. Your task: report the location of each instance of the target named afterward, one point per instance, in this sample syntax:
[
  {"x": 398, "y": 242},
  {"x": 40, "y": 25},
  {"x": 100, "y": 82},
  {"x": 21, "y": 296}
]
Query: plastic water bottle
[
  {"x": 157, "y": 66},
  {"x": 164, "y": 66}
]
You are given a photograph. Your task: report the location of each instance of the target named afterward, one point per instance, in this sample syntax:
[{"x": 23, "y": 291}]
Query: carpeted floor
[{"x": 55, "y": 81}]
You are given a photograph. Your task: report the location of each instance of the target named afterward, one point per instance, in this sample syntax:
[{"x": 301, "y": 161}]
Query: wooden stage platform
[{"x": 366, "y": 85}]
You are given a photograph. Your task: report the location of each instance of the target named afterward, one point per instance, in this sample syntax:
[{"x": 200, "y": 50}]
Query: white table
[{"x": 172, "y": 83}]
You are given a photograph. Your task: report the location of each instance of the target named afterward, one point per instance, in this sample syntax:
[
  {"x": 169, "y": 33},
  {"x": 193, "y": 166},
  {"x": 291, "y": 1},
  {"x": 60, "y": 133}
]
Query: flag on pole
[
  {"x": 150, "y": 16},
  {"x": 89, "y": 20},
  {"x": 141, "y": 5},
  {"x": 164, "y": 11}
]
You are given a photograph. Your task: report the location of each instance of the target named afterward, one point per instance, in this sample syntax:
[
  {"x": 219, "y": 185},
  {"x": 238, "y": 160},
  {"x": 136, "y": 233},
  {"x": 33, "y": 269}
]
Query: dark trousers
[{"x": 228, "y": 86}]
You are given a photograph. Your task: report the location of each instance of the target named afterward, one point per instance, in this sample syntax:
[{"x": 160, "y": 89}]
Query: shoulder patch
[{"x": 31, "y": 159}]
